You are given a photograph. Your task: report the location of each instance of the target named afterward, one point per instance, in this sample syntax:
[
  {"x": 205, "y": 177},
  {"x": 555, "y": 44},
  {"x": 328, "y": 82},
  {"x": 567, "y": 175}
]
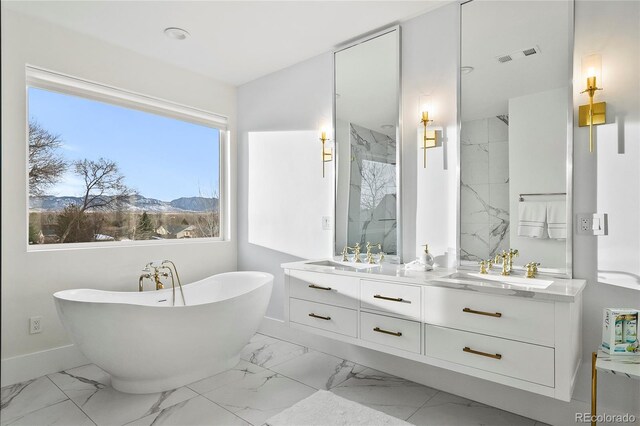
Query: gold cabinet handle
[
  {"x": 319, "y": 316},
  {"x": 489, "y": 314},
  {"x": 317, "y": 287},
  {"x": 393, "y": 333},
  {"x": 393, "y": 299},
  {"x": 471, "y": 351}
]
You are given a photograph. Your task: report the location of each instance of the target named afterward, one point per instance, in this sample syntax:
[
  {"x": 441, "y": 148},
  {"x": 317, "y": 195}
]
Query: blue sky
[{"x": 161, "y": 157}]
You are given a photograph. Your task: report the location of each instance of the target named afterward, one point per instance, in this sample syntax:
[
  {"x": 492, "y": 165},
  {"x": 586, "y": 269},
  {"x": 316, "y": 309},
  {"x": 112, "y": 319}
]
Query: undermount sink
[
  {"x": 342, "y": 265},
  {"x": 510, "y": 280}
]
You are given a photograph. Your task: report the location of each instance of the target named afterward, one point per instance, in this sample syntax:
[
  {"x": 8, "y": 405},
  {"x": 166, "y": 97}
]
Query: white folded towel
[
  {"x": 557, "y": 219},
  {"x": 532, "y": 217}
]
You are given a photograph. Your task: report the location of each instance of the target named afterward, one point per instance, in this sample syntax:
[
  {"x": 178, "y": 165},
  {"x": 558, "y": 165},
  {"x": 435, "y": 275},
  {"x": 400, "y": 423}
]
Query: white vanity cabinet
[{"x": 520, "y": 337}]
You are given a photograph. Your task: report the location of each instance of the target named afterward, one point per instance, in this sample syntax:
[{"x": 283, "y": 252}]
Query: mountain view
[{"x": 135, "y": 203}]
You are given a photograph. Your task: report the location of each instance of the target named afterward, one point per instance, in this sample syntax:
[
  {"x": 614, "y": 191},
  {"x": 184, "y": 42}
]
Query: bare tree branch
[
  {"x": 45, "y": 165},
  {"x": 104, "y": 187}
]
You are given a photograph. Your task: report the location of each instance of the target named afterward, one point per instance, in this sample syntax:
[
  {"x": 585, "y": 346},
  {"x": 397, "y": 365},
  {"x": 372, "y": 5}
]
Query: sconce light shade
[
  {"x": 425, "y": 108},
  {"x": 592, "y": 71},
  {"x": 429, "y": 137},
  {"x": 594, "y": 113},
  {"x": 327, "y": 156},
  {"x": 324, "y": 133}
]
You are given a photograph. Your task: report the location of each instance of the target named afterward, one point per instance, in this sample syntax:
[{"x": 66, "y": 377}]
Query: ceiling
[
  {"x": 231, "y": 41},
  {"x": 495, "y": 28}
]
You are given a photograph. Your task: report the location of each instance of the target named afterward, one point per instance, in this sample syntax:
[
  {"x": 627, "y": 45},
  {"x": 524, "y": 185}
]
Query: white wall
[
  {"x": 30, "y": 278},
  {"x": 302, "y": 94},
  {"x": 296, "y": 98},
  {"x": 279, "y": 177}
]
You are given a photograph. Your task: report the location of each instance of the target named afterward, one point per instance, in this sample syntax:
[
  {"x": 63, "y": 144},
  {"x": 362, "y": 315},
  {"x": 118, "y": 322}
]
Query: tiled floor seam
[
  {"x": 235, "y": 415},
  {"x": 408, "y": 419},
  {"x": 69, "y": 398}
]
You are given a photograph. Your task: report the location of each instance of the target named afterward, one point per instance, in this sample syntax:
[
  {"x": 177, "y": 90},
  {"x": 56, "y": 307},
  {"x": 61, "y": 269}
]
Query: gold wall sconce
[
  {"x": 429, "y": 137},
  {"x": 592, "y": 114},
  {"x": 327, "y": 156}
]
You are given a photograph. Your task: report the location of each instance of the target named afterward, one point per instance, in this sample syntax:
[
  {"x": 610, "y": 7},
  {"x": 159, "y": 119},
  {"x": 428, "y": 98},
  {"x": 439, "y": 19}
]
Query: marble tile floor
[{"x": 271, "y": 376}]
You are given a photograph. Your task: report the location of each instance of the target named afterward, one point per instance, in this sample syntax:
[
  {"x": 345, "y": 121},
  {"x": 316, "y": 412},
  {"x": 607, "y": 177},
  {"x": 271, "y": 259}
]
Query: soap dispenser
[{"x": 426, "y": 258}]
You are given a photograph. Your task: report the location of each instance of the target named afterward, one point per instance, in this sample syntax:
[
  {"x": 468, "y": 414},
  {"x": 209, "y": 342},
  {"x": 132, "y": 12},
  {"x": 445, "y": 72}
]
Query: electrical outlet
[
  {"x": 35, "y": 325},
  {"x": 584, "y": 224}
]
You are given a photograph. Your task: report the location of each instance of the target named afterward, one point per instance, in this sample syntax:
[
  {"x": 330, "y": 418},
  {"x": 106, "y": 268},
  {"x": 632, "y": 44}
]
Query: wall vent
[{"x": 518, "y": 54}]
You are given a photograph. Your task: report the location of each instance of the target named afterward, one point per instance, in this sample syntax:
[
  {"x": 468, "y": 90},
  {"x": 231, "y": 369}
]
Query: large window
[{"x": 106, "y": 165}]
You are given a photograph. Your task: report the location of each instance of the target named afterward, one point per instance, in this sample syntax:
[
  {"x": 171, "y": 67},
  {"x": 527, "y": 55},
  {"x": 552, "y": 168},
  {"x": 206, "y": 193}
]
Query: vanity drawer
[
  {"x": 396, "y": 299},
  {"x": 389, "y": 331},
  {"x": 327, "y": 317},
  {"x": 324, "y": 288},
  {"x": 503, "y": 316},
  {"x": 523, "y": 361}
]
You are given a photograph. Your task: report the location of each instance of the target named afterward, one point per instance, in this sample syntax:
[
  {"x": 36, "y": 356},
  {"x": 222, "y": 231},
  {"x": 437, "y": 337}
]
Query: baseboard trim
[
  {"x": 29, "y": 366},
  {"x": 538, "y": 407}
]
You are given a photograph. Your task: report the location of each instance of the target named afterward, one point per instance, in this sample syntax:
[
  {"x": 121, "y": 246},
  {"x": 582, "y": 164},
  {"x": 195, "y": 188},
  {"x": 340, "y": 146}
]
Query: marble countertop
[{"x": 562, "y": 289}]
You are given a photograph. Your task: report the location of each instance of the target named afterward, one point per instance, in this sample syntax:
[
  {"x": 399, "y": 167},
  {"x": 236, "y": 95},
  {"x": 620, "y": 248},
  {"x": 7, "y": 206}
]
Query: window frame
[{"x": 40, "y": 78}]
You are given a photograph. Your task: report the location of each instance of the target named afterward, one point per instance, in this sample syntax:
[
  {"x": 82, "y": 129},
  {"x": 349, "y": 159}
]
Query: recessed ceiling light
[
  {"x": 176, "y": 33},
  {"x": 466, "y": 70},
  {"x": 387, "y": 126}
]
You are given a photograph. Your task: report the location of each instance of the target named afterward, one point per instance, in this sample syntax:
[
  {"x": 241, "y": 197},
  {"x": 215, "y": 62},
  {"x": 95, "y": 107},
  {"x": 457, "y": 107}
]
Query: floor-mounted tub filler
[{"x": 148, "y": 345}]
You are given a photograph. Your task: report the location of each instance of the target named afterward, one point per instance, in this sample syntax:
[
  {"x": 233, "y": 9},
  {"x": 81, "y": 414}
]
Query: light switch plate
[
  {"x": 600, "y": 224},
  {"x": 326, "y": 223}
]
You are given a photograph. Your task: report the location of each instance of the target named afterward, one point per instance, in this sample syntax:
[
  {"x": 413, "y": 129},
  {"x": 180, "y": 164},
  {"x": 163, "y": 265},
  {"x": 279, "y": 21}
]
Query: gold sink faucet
[
  {"x": 507, "y": 260},
  {"x": 356, "y": 253}
]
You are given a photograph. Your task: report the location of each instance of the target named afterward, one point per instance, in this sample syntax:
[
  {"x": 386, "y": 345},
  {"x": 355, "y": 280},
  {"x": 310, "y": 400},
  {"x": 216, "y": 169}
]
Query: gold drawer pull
[
  {"x": 393, "y": 333},
  {"x": 317, "y": 287},
  {"x": 471, "y": 351},
  {"x": 393, "y": 299},
  {"x": 489, "y": 314},
  {"x": 319, "y": 316}
]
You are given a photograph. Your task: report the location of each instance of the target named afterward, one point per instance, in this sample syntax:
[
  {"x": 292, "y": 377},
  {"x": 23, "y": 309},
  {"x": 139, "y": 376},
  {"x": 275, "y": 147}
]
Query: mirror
[
  {"x": 515, "y": 136},
  {"x": 367, "y": 143}
]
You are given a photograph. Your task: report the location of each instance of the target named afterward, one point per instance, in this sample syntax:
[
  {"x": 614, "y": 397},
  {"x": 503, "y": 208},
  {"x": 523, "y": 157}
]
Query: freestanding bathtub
[{"x": 147, "y": 345}]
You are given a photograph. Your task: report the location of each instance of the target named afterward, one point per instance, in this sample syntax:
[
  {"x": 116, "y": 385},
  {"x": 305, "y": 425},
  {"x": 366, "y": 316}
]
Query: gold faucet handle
[
  {"x": 370, "y": 246},
  {"x": 514, "y": 253},
  {"x": 489, "y": 263},
  {"x": 345, "y": 252},
  {"x": 530, "y": 273},
  {"x": 483, "y": 267}
]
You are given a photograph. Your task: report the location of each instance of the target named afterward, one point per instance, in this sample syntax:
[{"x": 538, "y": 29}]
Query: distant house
[
  {"x": 188, "y": 232},
  {"x": 176, "y": 231},
  {"x": 162, "y": 231}
]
